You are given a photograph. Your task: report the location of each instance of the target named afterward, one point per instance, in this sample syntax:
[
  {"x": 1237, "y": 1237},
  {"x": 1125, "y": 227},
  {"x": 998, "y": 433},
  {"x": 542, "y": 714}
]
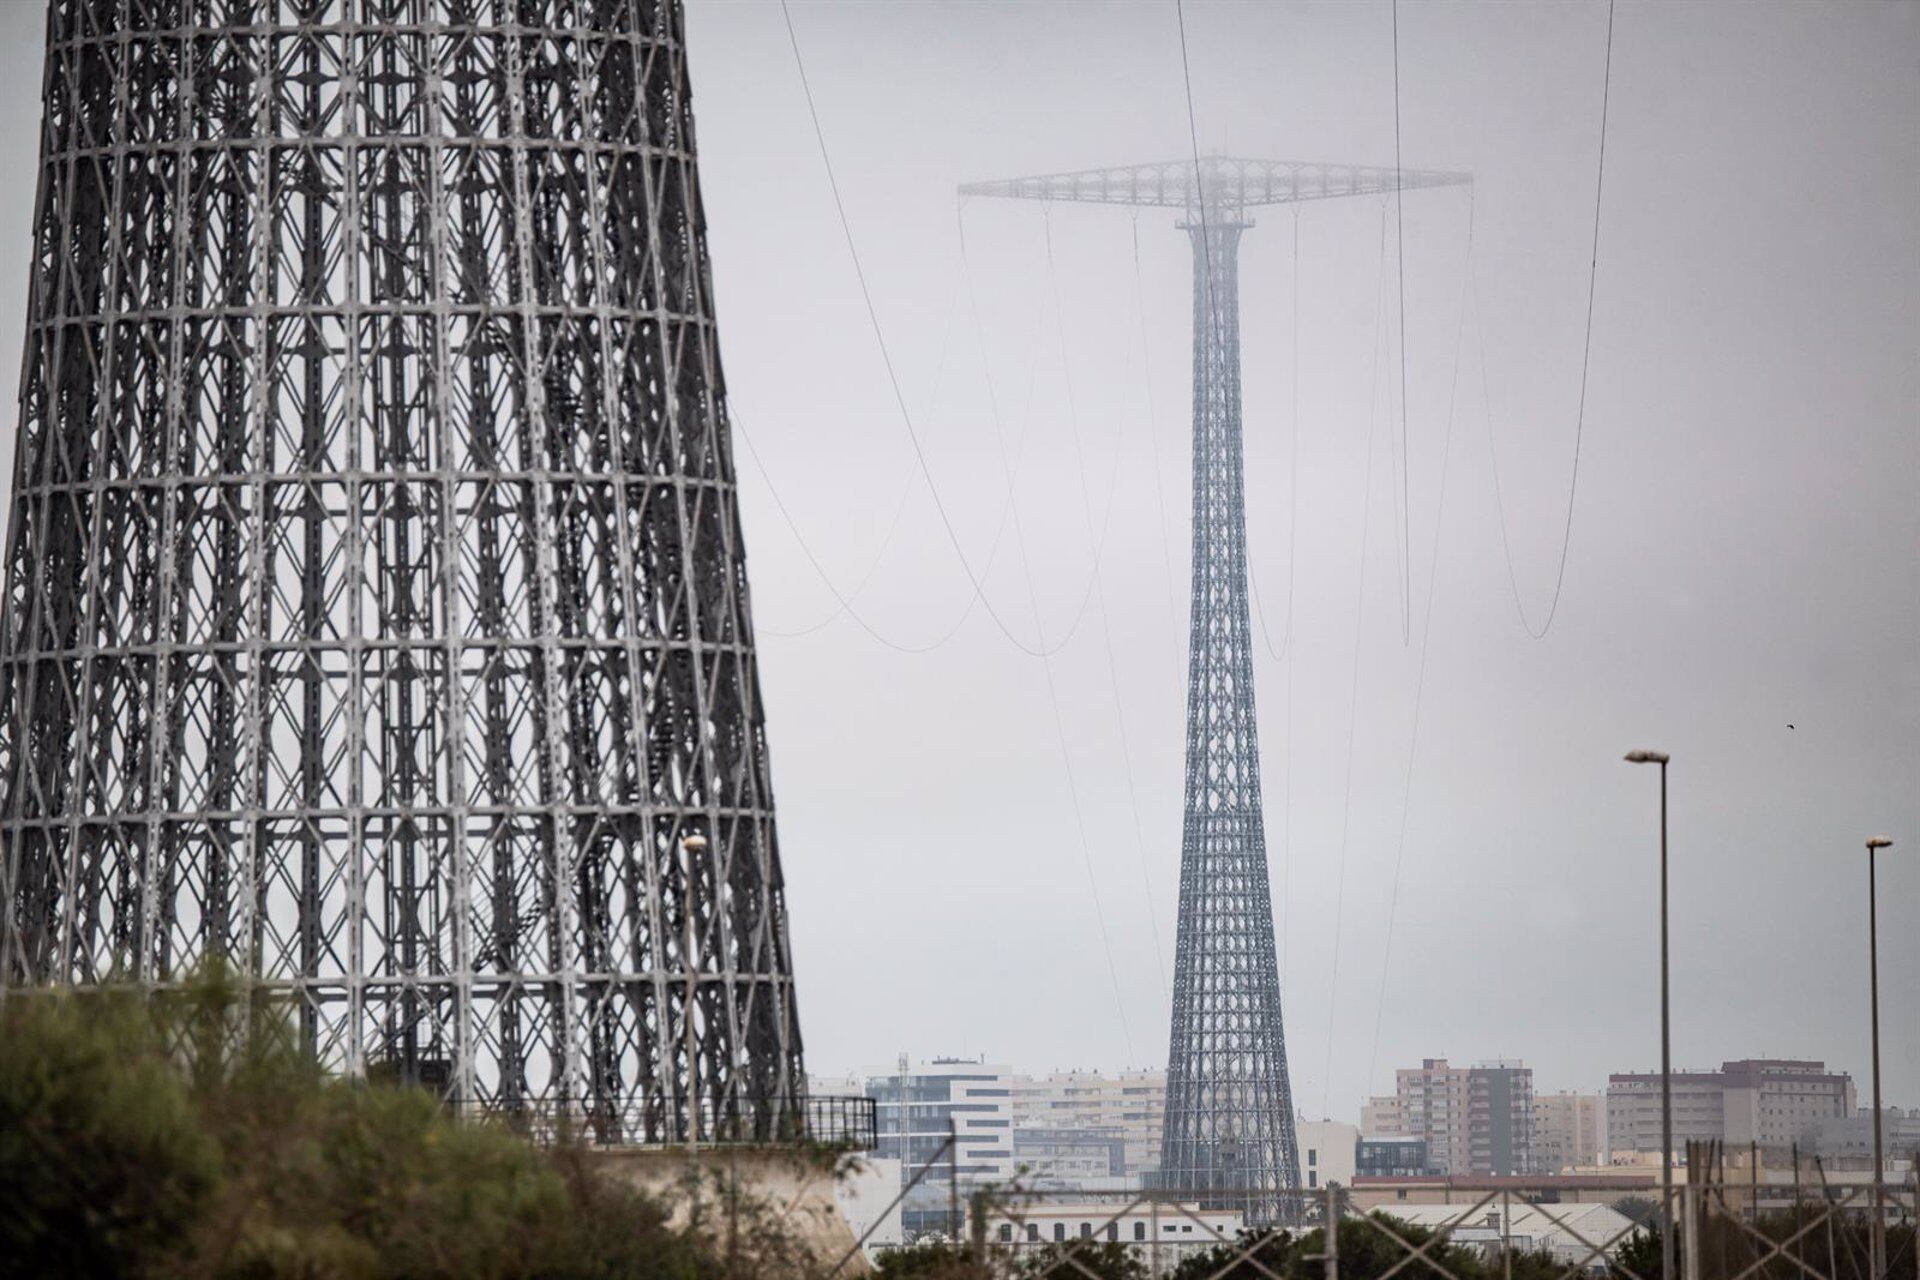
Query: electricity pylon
[
  {"x": 1229, "y": 1136},
  {"x": 376, "y": 613}
]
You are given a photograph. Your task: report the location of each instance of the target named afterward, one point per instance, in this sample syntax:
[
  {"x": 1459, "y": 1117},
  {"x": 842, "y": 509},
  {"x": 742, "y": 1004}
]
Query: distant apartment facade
[
  {"x": 1473, "y": 1120},
  {"x": 1569, "y": 1131},
  {"x": 1382, "y": 1117},
  {"x": 918, "y": 1105},
  {"x": 1064, "y": 1118},
  {"x": 1775, "y": 1102},
  {"x": 1849, "y": 1139}
]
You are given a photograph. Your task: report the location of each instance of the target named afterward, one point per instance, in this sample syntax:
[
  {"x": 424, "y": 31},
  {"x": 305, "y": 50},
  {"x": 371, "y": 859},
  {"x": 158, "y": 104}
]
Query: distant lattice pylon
[
  {"x": 1229, "y": 1135},
  {"x": 376, "y": 613}
]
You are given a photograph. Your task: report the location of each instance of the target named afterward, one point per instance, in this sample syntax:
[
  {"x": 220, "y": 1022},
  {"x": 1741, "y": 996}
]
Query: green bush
[{"x": 158, "y": 1140}]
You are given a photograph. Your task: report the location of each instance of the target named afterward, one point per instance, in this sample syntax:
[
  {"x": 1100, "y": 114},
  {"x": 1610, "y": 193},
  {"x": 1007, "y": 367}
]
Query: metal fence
[
  {"x": 1724, "y": 1230},
  {"x": 848, "y": 1123}
]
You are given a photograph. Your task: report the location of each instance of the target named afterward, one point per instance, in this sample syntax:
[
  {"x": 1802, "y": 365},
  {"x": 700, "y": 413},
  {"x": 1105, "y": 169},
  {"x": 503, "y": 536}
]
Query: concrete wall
[{"x": 731, "y": 1191}]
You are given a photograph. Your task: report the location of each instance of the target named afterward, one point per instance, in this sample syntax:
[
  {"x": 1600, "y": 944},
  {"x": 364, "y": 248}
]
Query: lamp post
[
  {"x": 1879, "y": 1233},
  {"x": 691, "y": 846},
  {"x": 1666, "y": 1031}
]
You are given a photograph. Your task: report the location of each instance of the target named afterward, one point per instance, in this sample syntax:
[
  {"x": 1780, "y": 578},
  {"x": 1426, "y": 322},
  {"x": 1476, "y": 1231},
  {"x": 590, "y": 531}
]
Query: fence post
[
  {"x": 977, "y": 1227},
  {"x": 953, "y": 1183},
  {"x": 1331, "y": 1254},
  {"x": 1506, "y": 1235},
  {"x": 1693, "y": 1213}
]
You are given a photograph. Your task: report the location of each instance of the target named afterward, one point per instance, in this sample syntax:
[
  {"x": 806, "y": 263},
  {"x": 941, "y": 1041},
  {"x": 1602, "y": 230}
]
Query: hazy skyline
[{"x": 1741, "y": 587}]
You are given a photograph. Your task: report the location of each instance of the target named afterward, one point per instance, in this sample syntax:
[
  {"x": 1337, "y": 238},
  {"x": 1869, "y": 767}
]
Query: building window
[
  {"x": 1086, "y": 1231},
  {"x": 1313, "y": 1178},
  {"x": 1313, "y": 1157},
  {"x": 1139, "y": 1231},
  {"x": 1059, "y": 1231},
  {"x": 1006, "y": 1233},
  {"x": 1033, "y": 1231},
  {"x": 1113, "y": 1231}
]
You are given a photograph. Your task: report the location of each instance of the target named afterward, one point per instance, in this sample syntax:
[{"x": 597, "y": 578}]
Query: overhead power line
[
  {"x": 886, "y": 358},
  {"x": 1586, "y": 357}
]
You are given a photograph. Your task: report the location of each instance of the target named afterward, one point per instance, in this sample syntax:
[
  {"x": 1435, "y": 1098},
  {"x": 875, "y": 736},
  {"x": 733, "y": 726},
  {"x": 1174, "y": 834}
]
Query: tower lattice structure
[
  {"x": 376, "y": 615},
  {"x": 1229, "y": 1130}
]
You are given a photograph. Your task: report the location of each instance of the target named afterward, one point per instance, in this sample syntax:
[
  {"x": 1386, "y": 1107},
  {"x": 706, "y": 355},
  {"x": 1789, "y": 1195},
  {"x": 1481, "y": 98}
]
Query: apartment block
[
  {"x": 1775, "y": 1102},
  {"x": 1473, "y": 1120},
  {"x": 1569, "y": 1131}
]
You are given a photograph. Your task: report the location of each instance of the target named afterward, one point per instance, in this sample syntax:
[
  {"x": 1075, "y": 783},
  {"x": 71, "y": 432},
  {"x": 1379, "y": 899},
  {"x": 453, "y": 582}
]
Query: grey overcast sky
[{"x": 971, "y": 871}]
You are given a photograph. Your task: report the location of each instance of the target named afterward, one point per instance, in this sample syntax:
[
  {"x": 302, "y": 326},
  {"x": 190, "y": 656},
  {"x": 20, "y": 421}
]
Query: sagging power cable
[
  {"x": 975, "y": 579},
  {"x": 1586, "y": 357}
]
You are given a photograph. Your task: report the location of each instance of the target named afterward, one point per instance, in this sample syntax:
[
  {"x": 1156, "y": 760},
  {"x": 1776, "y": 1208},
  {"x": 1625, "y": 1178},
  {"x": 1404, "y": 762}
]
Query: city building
[
  {"x": 1159, "y": 1233},
  {"x": 1775, "y": 1102},
  {"x": 1576, "y": 1235},
  {"x": 1382, "y": 1117},
  {"x": 1070, "y": 1159},
  {"x": 1474, "y": 1120},
  {"x": 1466, "y": 1190},
  {"x": 1849, "y": 1139},
  {"x": 1328, "y": 1151},
  {"x": 918, "y": 1106},
  {"x": 1569, "y": 1131},
  {"x": 867, "y": 1190},
  {"x": 1389, "y": 1157},
  {"x": 1072, "y": 1108}
]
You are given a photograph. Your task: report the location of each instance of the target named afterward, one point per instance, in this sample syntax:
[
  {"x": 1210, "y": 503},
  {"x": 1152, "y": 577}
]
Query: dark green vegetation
[{"x": 148, "y": 1140}]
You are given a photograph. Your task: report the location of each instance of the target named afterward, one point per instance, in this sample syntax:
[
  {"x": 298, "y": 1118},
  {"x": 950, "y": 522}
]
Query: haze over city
[
  {"x": 1271, "y": 613},
  {"x": 1740, "y": 586},
  {"x": 1740, "y": 589}
]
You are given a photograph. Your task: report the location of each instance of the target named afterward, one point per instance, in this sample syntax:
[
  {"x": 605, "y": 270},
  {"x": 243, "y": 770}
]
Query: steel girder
[{"x": 376, "y": 614}]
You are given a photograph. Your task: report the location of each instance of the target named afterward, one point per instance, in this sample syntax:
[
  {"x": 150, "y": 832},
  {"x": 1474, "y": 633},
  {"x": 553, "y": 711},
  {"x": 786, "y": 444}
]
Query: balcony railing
[{"x": 814, "y": 1120}]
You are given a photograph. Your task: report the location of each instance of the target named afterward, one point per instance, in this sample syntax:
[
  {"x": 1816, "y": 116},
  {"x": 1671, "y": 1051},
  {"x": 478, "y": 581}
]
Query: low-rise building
[
  {"x": 1328, "y": 1152},
  {"x": 1388, "y": 1157},
  {"x": 1576, "y": 1235},
  {"x": 1610, "y": 1188},
  {"x": 1160, "y": 1233},
  {"x": 867, "y": 1190}
]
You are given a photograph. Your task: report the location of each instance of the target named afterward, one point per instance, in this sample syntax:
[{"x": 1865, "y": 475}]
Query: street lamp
[
  {"x": 1666, "y": 1031},
  {"x": 691, "y": 846},
  {"x": 1879, "y": 1235}
]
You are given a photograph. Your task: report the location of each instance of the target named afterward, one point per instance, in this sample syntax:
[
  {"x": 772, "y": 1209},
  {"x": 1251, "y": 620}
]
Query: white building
[
  {"x": 1526, "y": 1228},
  {"x": 1158, "y": 1232},
  {"x": 867, "y": 1190},
  {"x": 1775, "y": 1102},
  {"x": 1327, "y": 1152},
  {"x": 918, "y": 1106},
  {"x": 1083, "y": 1109}
]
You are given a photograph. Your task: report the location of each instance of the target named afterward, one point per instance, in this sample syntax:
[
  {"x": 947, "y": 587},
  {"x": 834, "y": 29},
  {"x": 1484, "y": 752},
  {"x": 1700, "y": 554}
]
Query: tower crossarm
[{"x": 1226, "y": 182}]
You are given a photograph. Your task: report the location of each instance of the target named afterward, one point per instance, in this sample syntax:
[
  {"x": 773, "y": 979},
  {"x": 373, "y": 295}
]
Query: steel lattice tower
[
  {"x": 1229, "y": 1135},
  {"x": 376, "y": 614}
]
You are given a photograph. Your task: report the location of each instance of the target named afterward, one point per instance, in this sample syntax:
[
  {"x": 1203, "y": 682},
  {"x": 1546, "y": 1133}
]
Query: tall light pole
[
  {"x": 1666, "y": 1031},
  {"x": 1879, "y": 1235}
]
